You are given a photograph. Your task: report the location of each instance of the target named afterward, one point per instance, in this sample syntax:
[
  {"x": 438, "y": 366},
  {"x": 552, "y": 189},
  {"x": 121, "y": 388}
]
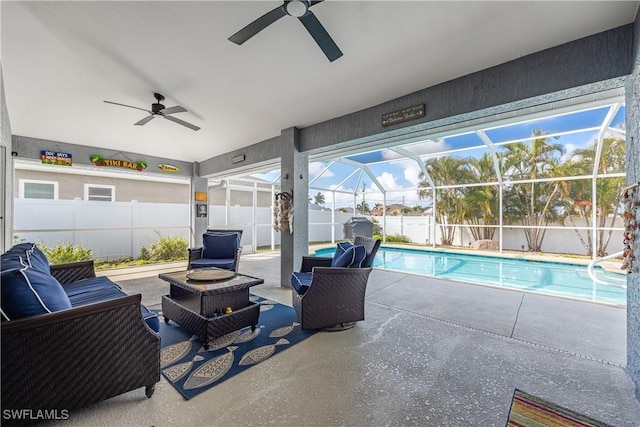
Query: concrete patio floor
[{"x": 430, "y": 353}]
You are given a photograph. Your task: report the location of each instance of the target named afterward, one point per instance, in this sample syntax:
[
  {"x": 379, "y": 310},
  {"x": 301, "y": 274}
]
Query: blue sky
[{"x": 400, "y": 175}]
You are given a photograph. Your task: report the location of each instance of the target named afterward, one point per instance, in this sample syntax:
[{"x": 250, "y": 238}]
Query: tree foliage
[{"x": 528, "y": 198}]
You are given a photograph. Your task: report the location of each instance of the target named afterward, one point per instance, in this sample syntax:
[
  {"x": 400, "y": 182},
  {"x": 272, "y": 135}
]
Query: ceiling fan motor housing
[
  {"x": 296, "y": 8},
  {"x": 156, "y": 108}
]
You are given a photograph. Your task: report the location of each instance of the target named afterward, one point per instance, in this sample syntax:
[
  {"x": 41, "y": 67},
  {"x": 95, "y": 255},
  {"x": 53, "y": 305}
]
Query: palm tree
[
  {"x": 532, "y": 204},
  {"x": 319, "y": 199},
  {"x": 484, "y": 199},
  {"x": 363, "y": 207},
  {"x": 578, "y": 195},
  {"x": 450, "y": 204}
]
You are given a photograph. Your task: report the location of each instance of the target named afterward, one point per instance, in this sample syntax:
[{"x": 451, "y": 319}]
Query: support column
[
  {"x": 294, "y": 169},
  {"x": 198, "y": 223},
  {"x": 632, "y": 119}
]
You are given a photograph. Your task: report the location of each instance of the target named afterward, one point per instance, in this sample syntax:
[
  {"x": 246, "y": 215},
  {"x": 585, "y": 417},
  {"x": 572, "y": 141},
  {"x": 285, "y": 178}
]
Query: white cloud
[
  {"x": 412, "y": 173},
  {"x": 568, "y": 151},
  {"x": 316, "y": 167},
  {"x": 388, "y": 181}
]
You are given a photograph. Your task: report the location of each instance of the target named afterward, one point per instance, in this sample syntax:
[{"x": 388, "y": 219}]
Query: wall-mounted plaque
[
  {"x": 201, "y": 210},
  {"x": 117, "y": 163},
  {"x": 168, "y": 168},
  {"x": 403, "y": 115},
  {"x": 56, "y": 158}
]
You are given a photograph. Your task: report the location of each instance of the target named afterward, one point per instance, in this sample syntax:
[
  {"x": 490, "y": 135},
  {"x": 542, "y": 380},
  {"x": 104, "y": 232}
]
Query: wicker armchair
[
  {"x": 220, "y": 248},
  {"x": 334, "y": 300}
]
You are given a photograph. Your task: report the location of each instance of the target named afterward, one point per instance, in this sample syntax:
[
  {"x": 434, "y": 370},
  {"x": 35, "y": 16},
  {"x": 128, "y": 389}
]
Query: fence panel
[
  {"x": 111, "y": 230},
  {"x": 120, "y": 229}
]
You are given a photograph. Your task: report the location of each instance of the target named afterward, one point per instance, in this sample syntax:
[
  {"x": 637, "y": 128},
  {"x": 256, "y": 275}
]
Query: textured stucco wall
[
  {"x": 295, "y": 178},
  {"x": 633, "y": 176}
]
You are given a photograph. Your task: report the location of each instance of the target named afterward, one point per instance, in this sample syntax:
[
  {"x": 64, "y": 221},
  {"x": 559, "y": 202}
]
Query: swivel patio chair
[
  {"x": 220, "y": 248},
  {"x": 328, "y": 293}
]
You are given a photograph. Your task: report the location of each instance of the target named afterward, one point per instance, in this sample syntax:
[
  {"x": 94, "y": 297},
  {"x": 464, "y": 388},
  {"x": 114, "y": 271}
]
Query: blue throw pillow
[
  {"x": 301, "y": 282},
  {"x": 38, "y": 259},
  {"x": 29, "y": 253},
  {"x": 351, "y": 258},
  {"x": 340, "y": 249},
  {"x": 29, "y": 292},
  {"x": 219, "y": 245}
]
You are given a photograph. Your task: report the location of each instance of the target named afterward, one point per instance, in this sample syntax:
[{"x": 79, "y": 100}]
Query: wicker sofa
[{"x": 70, "y": 357}]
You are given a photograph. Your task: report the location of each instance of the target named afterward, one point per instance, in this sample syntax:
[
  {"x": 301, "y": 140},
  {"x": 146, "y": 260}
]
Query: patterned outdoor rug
[
  {"x": 192, "y": 370},
  {"x": 530, "y": 411}
]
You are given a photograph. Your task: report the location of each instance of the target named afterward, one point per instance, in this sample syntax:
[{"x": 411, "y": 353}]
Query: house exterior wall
[{"x": 71, "y": 186}]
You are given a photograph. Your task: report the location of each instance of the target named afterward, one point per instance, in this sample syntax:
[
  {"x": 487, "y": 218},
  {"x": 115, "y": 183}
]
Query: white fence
[
  {"x": 240, "y": 217},
  {"x": 559, "y": 237},
  {"x": 111, "y": 230},
  {"x": 121, "y": 229}
]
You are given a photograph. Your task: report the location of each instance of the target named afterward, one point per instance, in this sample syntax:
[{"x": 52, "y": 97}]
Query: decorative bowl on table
[{"x": 210, "y": 275}]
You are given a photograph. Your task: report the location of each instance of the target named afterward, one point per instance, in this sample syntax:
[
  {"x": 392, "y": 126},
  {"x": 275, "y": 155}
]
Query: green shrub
[
  {"x": 169, "y": 249},
  {"x": 65, "y": 252},
  {"x": 398, "y": 238},
  {"x": 145, "y": 254},
  {"x": 377, "y": 230}
]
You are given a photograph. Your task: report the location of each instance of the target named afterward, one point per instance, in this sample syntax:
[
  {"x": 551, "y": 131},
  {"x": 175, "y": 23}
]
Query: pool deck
[{"x": 431, "y": 352}]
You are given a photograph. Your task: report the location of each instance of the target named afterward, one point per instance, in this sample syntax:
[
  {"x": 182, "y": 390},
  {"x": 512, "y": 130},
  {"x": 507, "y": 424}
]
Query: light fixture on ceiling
[{"x": 296, "y": 8}]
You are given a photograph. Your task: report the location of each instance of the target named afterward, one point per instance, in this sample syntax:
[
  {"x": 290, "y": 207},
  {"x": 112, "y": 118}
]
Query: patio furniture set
[{"x": 70, "y": 339}]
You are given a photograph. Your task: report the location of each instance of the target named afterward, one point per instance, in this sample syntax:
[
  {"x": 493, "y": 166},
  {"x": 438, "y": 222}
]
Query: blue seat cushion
[
  {"x": 98, "y": 289},
  {"x": 29, "y": 292},
  {"x": 150, "y": 318},
  {"x": 92, "y": 290},
  {"x": 301, "y": 282},
  {"x": 351, "y": 258},
  {"x": 220, "y": 245},
  {"x": 226, "y": 263}
]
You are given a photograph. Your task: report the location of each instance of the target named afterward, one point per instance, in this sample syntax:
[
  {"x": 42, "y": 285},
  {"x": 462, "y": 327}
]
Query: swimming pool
[{"x": 550, "y": 278}]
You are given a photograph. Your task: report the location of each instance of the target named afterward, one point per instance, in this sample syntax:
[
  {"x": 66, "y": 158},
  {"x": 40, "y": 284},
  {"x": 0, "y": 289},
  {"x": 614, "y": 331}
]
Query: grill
[{"x": 358, "y": 225}]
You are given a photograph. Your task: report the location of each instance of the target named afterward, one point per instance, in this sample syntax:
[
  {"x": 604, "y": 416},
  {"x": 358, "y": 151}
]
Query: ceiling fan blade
[
  {"x": 181, "y": 122},
  {"x": 173, "y": 110},
  {"x": 320, "y": 35},
  {"x": 128, "y": 106},
  {"x": 258, "y": 25},
  {"x": 145, "y": 120}
]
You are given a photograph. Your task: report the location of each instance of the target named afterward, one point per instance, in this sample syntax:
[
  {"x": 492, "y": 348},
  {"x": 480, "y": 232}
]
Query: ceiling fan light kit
[{"x": 296, "y": 8}]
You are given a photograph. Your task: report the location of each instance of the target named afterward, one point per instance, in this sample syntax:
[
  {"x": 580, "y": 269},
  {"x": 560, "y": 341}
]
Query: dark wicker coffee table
[{"x": 200, "y": 306}]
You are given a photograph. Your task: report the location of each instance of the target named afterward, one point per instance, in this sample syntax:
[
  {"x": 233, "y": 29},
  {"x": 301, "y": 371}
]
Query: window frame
[
  {"x": 23, "y": 181},
  {"x": 87, "y": 187}
]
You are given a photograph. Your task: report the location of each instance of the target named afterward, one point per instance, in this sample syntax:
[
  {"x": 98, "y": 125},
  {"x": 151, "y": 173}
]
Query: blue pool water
[{"x": 551, "y": 278}]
